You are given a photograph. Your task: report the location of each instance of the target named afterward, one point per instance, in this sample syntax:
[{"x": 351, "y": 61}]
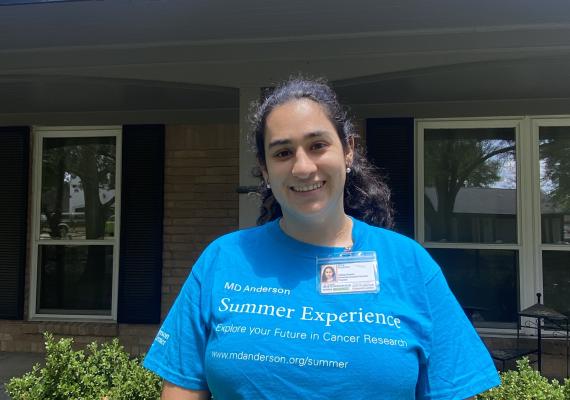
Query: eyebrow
[{"x": 309, "y": 135}]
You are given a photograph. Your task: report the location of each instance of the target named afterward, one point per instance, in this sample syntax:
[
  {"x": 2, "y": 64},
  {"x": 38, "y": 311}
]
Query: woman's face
[
  {"x": 329, "y": 273},
  {"x": 305, "y": 161}
]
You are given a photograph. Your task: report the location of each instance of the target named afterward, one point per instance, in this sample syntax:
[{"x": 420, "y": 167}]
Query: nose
[{"x": 303, "y": 166}]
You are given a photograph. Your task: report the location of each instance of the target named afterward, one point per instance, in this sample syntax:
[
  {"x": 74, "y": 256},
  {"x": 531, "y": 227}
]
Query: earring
[
  {"x": 348, "y": 170},
  {"x": 268, "y": 186}
]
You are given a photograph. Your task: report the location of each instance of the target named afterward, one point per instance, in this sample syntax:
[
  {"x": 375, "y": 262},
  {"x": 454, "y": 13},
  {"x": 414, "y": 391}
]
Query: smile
[{"x": 307, "y": 188}]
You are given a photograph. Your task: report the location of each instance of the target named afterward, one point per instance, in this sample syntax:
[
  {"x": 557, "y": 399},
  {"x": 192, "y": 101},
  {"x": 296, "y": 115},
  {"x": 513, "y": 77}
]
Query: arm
[
  {"x": 458, "y": 364},
  {"x": 178, "y": 352},
  {"x": 173, "y": 392}
]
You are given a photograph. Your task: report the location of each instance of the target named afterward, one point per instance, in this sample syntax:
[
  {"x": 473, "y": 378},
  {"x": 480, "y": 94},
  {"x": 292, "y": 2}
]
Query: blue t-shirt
[{"x": 250, "y": 323}]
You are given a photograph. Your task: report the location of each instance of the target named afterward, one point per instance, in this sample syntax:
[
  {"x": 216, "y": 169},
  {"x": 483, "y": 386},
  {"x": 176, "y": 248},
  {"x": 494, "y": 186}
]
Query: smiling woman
[
  {"x": 365, "y": 196},
  {"x": 320, "y": 201},
  {"x": 306, "y": 168}
]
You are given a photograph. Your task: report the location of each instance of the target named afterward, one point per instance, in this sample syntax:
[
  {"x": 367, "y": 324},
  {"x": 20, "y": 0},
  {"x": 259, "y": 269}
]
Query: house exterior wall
[{"x": 201, "y": 203}]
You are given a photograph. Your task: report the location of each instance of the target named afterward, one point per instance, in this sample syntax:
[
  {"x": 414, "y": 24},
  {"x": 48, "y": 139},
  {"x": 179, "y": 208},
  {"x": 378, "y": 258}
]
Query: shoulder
[
  {"x": 387, "y": 237},
  {"x": 238, "y": 239},
  {"x": 232, "y": 246}
]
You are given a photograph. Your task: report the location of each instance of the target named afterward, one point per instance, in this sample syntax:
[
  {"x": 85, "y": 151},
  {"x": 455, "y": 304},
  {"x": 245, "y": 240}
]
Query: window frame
[
  {"x": 38, "y": 134},
  {"x": 529, "y": 244},
  {"x": 519, "y": 124},
  {"x": 536, "y": 124}
]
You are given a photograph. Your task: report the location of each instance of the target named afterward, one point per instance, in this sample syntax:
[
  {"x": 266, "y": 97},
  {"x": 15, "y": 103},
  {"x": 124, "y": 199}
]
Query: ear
[
  {"x": 349, "y": 153},
  {"x": 264, "y": 173}
]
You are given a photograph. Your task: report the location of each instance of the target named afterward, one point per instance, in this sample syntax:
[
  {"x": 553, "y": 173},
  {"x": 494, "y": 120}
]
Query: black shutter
[
  {"x": 14, "y": 161},
  {"x": 390, "y": 146},
  {"x": 142, "y": 204}
]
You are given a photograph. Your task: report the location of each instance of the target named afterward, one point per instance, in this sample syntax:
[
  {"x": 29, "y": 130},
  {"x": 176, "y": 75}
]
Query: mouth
[{"x": 307, "y": 187}]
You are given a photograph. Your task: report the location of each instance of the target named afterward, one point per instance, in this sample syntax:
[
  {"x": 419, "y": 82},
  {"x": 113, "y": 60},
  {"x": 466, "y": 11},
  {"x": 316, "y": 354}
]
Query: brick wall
[{"x": 201, "y": 203}]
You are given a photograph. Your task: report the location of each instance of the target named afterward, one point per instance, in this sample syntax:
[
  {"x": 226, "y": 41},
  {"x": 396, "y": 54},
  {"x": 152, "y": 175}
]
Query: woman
[
  {"x": 328, "y": 275},
  {"x": 252, "y": 320}
]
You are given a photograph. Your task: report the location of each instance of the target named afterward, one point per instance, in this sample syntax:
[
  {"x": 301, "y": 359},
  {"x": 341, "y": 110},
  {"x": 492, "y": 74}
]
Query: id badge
[{"x": 350, "y": 272}]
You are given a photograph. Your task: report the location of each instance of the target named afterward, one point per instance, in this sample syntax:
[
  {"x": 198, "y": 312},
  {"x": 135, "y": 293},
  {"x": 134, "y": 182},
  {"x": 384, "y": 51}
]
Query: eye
[
  {"x": 319, "y": 146},
  {"x": 282, "y": 153}
]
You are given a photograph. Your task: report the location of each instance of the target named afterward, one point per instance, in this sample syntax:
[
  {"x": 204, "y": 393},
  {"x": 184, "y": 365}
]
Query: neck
[{"x": 332, "y": 232}]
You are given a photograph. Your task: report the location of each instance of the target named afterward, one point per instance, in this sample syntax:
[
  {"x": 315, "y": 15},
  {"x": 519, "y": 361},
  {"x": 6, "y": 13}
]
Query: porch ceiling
[
  {"x": 48, "y": 94},
  {"x": 178, "y": 54},
  {"x": 143, "y": 22},
  {"x": 521, "y": 79}
]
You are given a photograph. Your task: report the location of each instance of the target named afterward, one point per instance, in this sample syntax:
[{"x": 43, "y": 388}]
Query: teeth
[{"x": 306, "y": 188}]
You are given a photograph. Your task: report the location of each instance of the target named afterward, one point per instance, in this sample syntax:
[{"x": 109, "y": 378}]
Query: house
[{"x": 146, "y": 103}]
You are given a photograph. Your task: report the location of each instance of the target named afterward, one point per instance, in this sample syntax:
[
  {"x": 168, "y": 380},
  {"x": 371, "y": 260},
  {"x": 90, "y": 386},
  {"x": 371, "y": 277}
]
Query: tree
[
  {"x": 555, "y": 163},
  {"x": 92, "y": 160},
  {"x": 456, "y": 161}
]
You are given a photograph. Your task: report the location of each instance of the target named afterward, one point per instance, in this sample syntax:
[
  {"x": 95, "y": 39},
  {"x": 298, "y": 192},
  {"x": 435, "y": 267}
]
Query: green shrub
[
  {"x": 527, "y": 384},
  {"x": 107, "y": 371},
  {"x": 103, "y": 371}
]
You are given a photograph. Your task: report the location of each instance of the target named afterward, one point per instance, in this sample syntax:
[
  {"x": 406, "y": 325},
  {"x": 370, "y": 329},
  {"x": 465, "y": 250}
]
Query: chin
[
  {"x": 316, "y": 214},
  {"x": 317, "y": 211}
]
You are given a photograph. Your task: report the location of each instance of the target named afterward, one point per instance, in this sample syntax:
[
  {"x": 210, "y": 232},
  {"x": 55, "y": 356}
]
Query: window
[
  {"x": 469, "y": 189},
  {"x": 470, "y": 185},
  {"x": 553, "y": 138},
  {"x": 75, "y": 222},
  {"x": 494, "y": 211}
]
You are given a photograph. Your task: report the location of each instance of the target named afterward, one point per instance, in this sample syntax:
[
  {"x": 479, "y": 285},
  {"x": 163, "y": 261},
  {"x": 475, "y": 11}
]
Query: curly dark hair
[{"x": 366, "y": 195}]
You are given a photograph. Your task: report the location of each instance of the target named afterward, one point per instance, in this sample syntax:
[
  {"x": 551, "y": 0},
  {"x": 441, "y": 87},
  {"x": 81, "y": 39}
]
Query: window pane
[
  {"x": 75, "y": 279},
  {"x": 555, "y": 184},
  {"x": 470, "y": 185},
  {"x": 556, "y": 280},
  {"x": 486, "y": 281},
  {"x": 78, "y": 188}
]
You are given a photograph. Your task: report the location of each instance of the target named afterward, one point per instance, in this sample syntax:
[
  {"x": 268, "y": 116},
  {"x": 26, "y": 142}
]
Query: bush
[
  {"x": 527, "y": 384},
  {"x": 108, "y": 372},
  {"x": 105, "y": 371}
]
